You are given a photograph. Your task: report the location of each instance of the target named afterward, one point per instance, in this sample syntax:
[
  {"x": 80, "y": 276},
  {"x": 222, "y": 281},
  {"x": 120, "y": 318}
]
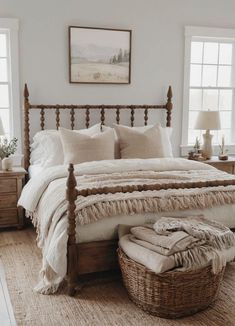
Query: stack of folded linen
[{"x": 184, "y": 243}]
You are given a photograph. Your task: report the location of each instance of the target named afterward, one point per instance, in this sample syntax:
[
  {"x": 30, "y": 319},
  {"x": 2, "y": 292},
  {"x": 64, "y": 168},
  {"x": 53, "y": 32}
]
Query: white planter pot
[{"x": 7, "y": 164}]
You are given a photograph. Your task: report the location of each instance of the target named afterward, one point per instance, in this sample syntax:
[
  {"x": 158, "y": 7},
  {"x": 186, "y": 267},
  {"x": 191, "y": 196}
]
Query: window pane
[
  {"x": 225, "y": 99},
  {"x": 225, "y": 119},
  {"x": 192, "y": 119},
  {"x": 195, "y": 99},
  {"x": 3, "y": 70},
  {"x": 3, "y": 45},
  {"x": 210, "y": 99},
  {"x": 225, "y": 53},
  {"x": 195, "y": 75},
  {"x": 227, "y": 136},
  {"x": 196, "y": 52},
  {"x": 4, "y": 115},
  {"x": 4, "y": 96},
  {"x": 192, "y": 135},
  {"x": 210, "y": 53},
  {"x": 209, "y": 75},
  {"x": 224, "y": 76}
]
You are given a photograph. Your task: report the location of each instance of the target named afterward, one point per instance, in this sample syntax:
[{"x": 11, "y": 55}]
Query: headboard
[{"x": 86, "y": 108}]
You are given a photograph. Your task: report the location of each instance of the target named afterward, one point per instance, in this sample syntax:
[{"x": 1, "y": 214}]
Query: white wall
[{"x": 157, "y": 51}]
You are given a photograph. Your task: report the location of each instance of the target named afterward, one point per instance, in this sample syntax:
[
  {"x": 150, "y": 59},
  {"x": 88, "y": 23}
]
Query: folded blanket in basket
[
  {"x": 163, "y": 244},
  {"x": 192, "y": 243}
]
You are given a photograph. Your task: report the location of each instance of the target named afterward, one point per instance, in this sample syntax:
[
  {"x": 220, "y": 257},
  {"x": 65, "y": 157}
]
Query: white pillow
[
  {"x": 79, "y": 147},
  {"x": 47, "y": 150},
  {"x": 166, "y": 133},
  {"x": 144, "y": 142}
]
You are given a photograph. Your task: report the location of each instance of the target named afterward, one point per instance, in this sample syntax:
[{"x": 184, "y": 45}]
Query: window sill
[{"x": 184, "y": 149}]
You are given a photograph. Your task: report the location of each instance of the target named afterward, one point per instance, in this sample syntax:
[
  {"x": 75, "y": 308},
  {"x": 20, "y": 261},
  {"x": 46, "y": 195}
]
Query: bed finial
[
  {"x": 169, "y": 94},
  {"x": 26, "y": 128},
  {"x": 71, "y": 195},
  {"x": 26, "y": 92},
  {"x": 169, "y": 106}
]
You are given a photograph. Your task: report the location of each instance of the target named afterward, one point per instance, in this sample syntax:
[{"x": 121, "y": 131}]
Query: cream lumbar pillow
[
  {"x": 80, "y": 148},
  {"x": 144, "y": 143}
]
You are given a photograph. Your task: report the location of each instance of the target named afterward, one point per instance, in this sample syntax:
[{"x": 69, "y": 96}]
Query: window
[
  {"x": 9, "y": 78},
  {"x": 209, "y": 82},
  {"x": 4, "y": 81}
]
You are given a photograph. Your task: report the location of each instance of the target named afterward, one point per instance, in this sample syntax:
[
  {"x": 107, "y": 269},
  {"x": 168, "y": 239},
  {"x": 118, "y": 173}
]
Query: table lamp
[{"x": 207, "y": 120}]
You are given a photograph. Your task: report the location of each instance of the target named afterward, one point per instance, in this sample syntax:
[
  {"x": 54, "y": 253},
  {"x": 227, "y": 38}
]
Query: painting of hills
[{"x": 99, "y": 55}]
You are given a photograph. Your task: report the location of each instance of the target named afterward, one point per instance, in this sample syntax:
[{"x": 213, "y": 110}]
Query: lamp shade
[
  {"x": 208, "y": 120},
  {"x": 2, "y": 131}
]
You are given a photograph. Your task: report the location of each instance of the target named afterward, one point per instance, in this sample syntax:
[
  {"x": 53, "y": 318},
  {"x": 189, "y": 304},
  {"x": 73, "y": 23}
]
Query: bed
[{"x": 90, "y": 245}]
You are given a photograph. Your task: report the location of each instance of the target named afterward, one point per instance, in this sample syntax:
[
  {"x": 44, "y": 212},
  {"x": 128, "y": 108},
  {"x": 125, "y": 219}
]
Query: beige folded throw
[
  {"x": 215, "y": 234},
  {"x": 163, "y": 244},
  {"x": 152, "y": 260},
  {"x": 193, "y": 241}
]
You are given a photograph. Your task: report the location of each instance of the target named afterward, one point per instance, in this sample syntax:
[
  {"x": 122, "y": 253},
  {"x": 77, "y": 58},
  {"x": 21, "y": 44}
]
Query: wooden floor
[{"x": 6, "y": 312}]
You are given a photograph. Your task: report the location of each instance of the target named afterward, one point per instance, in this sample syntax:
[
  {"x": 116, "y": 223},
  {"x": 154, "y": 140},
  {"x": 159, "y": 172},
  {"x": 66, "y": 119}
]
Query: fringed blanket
[
  {"x": 193, "y": 242},
  {"x": 44, "y": 199}
]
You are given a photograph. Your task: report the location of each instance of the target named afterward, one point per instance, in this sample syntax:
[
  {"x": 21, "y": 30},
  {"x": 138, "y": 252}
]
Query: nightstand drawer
[
  {"x": 8, "y": 185},
  {"x": 8, "y": 201},
  {"x": 8, "y": 217},
  {"x": 226, "y": 167}
]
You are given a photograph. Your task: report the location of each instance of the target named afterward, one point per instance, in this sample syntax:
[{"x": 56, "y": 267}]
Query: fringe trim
[
  {"x": 49, "y": 281},
  {"x": 105, "y": 209},
  {"x": 198, "y": 257}
]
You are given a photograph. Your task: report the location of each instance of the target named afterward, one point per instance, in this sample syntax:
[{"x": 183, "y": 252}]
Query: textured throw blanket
[
  {"x": 44, "y": 199},
  {"x": 193, "y": 241}
]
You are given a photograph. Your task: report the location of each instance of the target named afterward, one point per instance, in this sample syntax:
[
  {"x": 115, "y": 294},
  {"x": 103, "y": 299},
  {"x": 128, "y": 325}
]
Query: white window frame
[
  {"x": 190, "y": 33},
  {"x": 11, "y": 26}
]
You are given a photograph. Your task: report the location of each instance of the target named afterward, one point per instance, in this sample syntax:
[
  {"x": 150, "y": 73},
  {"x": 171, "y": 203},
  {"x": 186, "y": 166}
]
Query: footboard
[
  {"x": 86, "y": 257},
  {"x": 100, "y": 256}
]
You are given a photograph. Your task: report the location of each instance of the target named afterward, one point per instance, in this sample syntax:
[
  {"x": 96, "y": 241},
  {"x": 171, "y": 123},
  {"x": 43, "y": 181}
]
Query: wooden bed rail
[{"x": 102, "y": 109}]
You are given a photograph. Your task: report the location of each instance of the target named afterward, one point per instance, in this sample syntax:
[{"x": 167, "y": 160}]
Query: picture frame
[{"x": 99, "y": 55}]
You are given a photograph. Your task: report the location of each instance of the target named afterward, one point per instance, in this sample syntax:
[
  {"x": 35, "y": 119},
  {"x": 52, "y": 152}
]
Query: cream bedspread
[{"x": 44, "y": 200}]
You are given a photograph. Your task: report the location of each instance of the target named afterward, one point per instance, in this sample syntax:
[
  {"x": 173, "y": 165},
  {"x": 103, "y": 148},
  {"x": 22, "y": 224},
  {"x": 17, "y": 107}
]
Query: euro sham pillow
[
  {"x": 144, "y": 142},
  {"x": 79, "y": 148},
  {"x": 47, "y": 150}
]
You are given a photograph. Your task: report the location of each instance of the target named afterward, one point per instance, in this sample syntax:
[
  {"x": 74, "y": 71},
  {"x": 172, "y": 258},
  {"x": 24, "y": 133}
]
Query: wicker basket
[{"x": 170, "y": 294}]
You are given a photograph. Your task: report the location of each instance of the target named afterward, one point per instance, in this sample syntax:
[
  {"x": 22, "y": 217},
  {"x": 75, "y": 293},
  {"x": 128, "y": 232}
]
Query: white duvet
[{"x": 41, "y": 202}]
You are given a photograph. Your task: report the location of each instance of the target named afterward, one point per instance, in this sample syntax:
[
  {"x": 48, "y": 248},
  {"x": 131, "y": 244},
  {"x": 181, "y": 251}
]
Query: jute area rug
[{"x": 100, "y": 303}]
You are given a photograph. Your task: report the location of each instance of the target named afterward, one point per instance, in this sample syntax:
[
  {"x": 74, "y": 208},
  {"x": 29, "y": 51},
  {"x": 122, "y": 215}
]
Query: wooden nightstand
[
  {"x": 227, "y": 166},
  {"x": 11, "y": 184}
]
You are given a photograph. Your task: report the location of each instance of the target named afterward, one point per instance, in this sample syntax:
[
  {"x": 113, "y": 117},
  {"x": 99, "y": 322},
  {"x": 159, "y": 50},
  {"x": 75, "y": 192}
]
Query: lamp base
[{"x": 207, "y": 149}]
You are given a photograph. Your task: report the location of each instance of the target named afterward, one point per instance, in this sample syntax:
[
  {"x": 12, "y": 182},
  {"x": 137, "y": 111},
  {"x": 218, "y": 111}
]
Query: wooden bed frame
[{"x": 100, "y": 255}]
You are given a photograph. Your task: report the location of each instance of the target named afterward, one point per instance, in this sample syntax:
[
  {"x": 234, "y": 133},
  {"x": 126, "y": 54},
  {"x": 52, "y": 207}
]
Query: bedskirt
[{"x": 106, "y": 229}]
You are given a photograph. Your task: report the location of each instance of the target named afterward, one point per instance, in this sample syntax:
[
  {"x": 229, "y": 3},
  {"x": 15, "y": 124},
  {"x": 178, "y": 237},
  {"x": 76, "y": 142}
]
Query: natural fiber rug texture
[{"x": 100, "y": 303}]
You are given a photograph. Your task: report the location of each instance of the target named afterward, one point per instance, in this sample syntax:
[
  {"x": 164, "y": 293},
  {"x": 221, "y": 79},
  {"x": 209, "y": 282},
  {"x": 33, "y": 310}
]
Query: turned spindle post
[
  {"x": 57, "y": 113},
  {"x": 118, "y": 116},
  {"x": 169, "y": 107},
  {"x": 42, "y": 119},
  {"x": 146, "y": 116},
  {"x": 71, "y": 196},
  {"x": 26, "y": 128},
  {"x": 87, "y": 116},
  {"x": 72, "y": 118},
  {"x": 132, "y": 116}
]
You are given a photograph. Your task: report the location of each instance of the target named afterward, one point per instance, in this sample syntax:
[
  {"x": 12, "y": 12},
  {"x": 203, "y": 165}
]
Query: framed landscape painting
[{"x": 99, "y": 55}]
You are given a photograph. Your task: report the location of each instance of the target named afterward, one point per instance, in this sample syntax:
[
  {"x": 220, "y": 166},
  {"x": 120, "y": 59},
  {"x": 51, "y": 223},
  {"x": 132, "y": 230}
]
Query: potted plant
[
  {"x": 197, "y": 146},
  {"x": 223, "y": 156},
  {"x": 7, "y": 148}
]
